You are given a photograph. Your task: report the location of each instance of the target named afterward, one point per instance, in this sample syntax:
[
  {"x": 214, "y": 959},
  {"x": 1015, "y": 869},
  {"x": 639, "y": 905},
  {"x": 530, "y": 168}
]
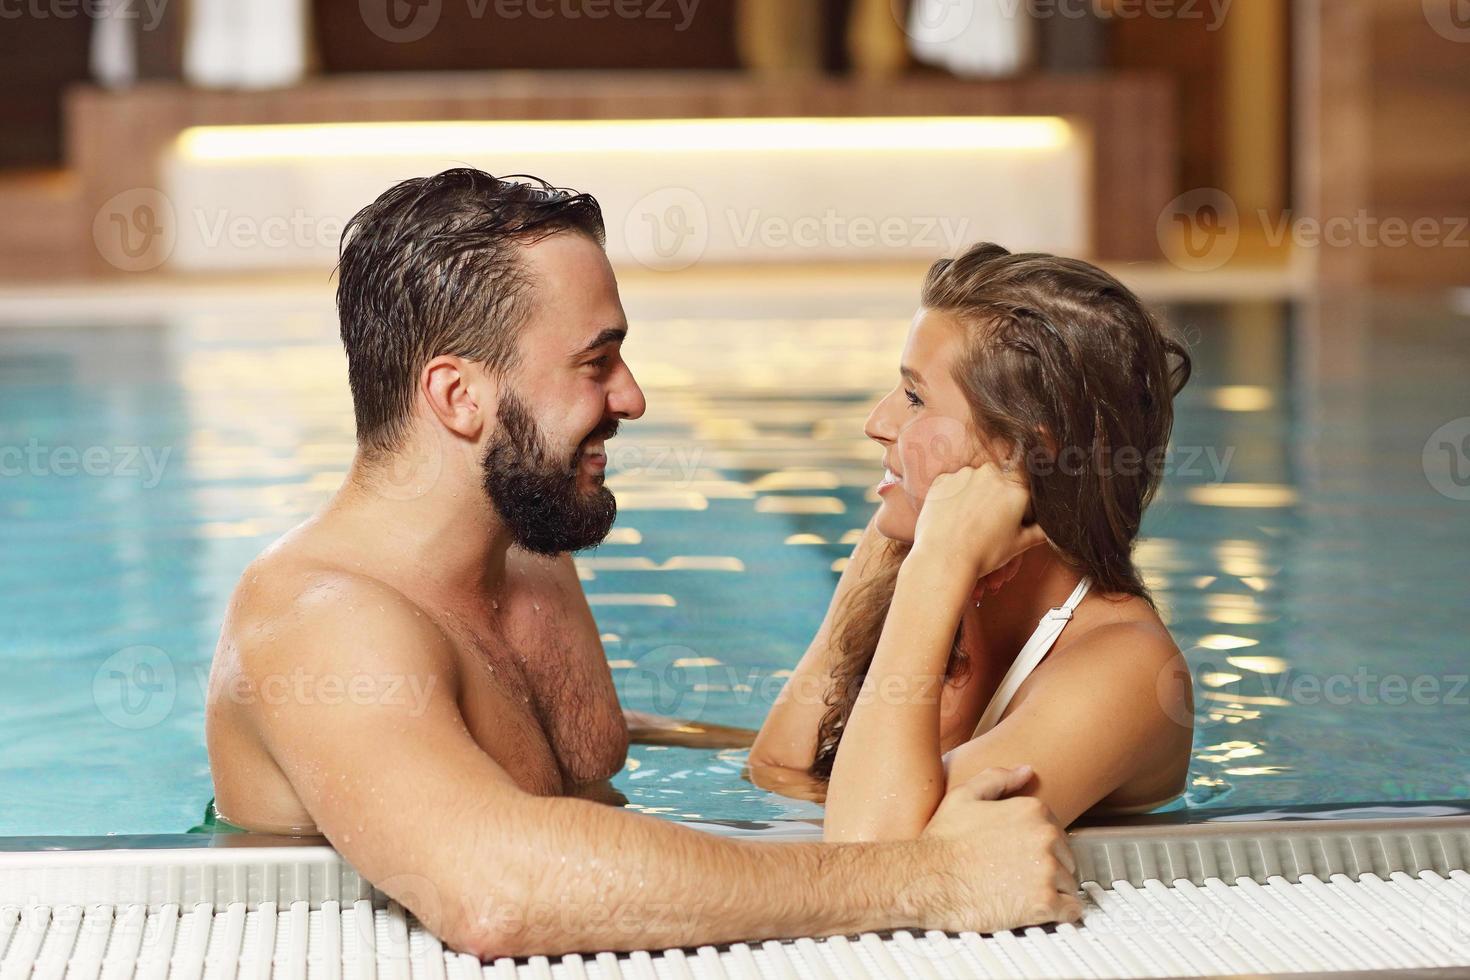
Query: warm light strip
[{"x": 419, "y": 139}]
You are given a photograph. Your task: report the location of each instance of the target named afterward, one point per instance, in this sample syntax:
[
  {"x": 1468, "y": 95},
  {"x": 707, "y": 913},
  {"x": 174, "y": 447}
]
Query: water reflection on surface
[{"x": 1297, "y": 549}]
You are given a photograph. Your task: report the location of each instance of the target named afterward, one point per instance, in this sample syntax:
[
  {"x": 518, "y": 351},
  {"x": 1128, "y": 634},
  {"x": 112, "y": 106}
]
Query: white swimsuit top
[
  {"x": 1031, "y": 654},
  {"x": 1026, "y": 661}
]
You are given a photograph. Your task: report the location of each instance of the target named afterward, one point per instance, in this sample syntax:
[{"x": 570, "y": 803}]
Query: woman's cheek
[{"x": 929, "y": 446}]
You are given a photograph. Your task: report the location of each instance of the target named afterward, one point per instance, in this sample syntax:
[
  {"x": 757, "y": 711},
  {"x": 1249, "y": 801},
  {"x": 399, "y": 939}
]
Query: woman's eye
[{"x": 914, "y": 400}]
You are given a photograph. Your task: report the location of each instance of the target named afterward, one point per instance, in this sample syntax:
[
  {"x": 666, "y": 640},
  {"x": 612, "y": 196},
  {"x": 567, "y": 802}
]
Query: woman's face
[{"x": 924, "y": 424}]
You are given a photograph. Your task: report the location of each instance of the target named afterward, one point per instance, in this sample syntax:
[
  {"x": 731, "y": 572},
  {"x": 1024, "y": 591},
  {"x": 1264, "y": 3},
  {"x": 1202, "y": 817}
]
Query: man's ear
[{"x": 459, "y": 393}]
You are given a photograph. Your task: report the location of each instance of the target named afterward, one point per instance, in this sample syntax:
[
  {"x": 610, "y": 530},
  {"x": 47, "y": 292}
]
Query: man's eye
[
  {"x": 914, "y": 400},
  {"x": 600, "y": 362}
]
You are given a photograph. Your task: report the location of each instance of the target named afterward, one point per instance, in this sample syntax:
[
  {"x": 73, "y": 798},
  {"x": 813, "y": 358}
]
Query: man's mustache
[{"x": 604, "y": 431}]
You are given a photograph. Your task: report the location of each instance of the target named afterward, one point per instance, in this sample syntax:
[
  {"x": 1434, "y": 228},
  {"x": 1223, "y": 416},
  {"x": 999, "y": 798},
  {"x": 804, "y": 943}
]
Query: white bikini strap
[
  {"x": 1031, "y": 654},
  {"x": 1065, "y": 609}
]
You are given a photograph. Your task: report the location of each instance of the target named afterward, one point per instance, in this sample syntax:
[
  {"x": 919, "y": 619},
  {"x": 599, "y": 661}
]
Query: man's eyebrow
[
  {"x": 911, "y": 375},
  {"x": 612, "y": 335}
]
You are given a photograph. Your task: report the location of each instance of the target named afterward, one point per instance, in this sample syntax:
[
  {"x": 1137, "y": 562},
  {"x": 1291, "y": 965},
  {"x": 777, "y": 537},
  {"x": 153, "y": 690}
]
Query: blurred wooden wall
[
  {"x": 42, "y": 56},
  {"x": 1233, "y": 79},
  {"x": 1384, "y": 94}
]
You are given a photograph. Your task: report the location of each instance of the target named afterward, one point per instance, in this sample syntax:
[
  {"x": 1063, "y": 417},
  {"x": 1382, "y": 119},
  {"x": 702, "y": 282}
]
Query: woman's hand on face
[{"x": 971, "y": 521}]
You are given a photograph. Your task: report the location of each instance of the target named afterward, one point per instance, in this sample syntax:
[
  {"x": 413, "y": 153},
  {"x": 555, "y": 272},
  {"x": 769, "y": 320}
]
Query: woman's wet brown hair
[{"x": 1066, "y": 367}]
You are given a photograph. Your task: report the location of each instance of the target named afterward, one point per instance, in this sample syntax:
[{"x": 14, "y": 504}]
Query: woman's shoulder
[{"x": 1119, "y": 641}]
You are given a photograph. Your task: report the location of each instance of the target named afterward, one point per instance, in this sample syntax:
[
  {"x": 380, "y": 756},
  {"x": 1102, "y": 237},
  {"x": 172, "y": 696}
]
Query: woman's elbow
[
  {"x": 872, "y": 827},
  {"x": 885, "y": 832}
]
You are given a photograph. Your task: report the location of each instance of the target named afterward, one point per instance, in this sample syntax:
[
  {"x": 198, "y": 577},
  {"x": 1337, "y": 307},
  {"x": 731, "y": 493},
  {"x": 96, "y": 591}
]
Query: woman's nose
[{"x": 879, "y": 427}]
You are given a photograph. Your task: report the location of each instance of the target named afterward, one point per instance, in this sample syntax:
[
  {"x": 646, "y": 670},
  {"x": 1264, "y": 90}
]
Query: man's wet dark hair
[{"x": 433, "y": 267}]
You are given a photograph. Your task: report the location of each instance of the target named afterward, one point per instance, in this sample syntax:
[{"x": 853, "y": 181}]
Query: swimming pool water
[{"x": 1310, "y": 546}]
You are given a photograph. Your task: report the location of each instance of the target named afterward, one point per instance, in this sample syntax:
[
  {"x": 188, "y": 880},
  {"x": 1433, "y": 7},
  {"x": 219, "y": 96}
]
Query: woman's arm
[
  {"x": 889, "y": 778},
  {"x": 1116, "y": 704},
  {"x": 684, "y": 733},
  {"x": 788, "y": 736}
]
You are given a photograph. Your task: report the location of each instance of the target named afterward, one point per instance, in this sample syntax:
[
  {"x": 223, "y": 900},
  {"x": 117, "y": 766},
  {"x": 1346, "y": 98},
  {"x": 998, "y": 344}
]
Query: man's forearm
[{"x": 556, "y": 875}]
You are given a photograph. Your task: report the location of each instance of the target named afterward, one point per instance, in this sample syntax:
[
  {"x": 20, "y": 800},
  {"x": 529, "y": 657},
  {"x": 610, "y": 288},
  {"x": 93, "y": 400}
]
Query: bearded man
[{"x": 414, "y": 671}]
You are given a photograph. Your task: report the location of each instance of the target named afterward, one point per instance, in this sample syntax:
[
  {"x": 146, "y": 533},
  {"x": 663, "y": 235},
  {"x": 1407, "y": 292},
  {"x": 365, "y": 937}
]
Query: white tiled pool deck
[{"x": 1254, "y": 897}]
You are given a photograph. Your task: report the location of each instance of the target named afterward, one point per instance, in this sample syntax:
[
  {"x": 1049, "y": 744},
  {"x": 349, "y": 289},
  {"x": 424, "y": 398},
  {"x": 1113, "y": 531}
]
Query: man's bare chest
[{"x": 539, "y": 702}]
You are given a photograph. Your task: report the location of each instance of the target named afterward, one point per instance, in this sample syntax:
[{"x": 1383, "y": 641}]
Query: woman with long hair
[{"x": 991, "y": 615}]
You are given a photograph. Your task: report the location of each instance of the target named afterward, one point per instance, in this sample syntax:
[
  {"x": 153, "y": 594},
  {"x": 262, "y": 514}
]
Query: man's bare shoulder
[{"x": 296, "y": 606}]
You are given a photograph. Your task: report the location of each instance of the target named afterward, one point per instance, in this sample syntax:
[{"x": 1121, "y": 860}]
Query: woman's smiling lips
[{"x": 889, "y": 481}]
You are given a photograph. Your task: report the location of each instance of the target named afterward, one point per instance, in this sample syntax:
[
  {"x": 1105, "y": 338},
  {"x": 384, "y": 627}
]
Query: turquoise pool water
[{"x": 1311, "y": 545}]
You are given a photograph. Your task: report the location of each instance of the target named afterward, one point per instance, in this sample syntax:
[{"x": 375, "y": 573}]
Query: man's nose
[{"x": 625, "y": 399}]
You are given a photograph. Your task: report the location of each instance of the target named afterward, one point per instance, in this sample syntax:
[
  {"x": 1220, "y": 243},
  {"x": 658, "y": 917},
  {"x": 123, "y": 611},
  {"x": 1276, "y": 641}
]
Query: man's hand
[{"x": 994, "y": 863}]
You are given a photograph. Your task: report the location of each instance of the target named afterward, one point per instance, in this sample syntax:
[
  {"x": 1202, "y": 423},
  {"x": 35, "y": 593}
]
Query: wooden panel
[
  {"x": 44, "y": 233},
  {"x": 1392, "y": 140},
  {"x": 1193, "y": 56},
  {"x": 541, "y": 35},
  {"x": 41, "y": 55},
  {"x": 117, "y": 137}
]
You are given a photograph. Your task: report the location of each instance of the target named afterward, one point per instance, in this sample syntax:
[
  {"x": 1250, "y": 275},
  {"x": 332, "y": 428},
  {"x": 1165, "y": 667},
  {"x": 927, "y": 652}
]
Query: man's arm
[{"x": 401, "y": 789}]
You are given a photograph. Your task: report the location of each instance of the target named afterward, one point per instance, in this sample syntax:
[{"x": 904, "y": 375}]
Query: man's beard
[{"x": 536, "y": 494}]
